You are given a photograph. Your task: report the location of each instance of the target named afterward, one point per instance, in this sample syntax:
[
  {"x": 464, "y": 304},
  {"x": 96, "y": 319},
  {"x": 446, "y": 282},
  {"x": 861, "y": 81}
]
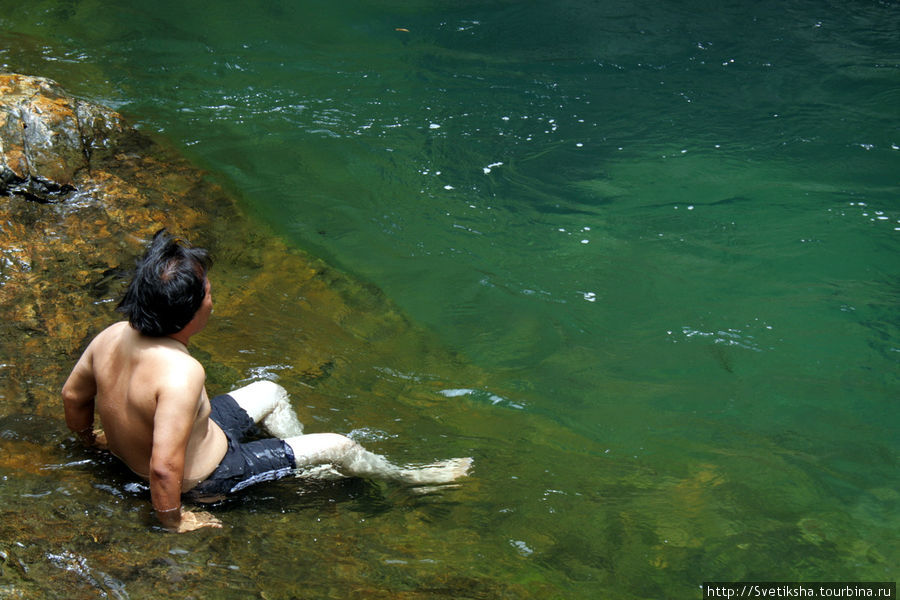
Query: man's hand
[
  {"x": 100, "y": 440},
  {"x": 191, "y": 521},
  {"x": 93, "y": 438}
]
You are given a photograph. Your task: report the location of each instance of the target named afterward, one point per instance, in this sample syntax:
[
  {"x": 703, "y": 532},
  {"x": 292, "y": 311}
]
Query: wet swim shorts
[{"x": 245, "y": 463}]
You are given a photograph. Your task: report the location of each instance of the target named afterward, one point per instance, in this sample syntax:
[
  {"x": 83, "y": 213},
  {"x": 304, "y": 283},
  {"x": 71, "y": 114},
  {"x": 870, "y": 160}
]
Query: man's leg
[
  {"x": 267, "y": 404},
  {"x": 352, "y": 459}
]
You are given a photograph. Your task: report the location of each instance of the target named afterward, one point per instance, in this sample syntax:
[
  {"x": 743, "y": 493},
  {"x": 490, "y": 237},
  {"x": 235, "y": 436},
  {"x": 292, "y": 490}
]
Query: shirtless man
[{"x": 156, "y": 416}]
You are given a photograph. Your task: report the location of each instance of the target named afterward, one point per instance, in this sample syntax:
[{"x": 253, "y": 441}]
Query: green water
[{"x": 667, "y": 231}]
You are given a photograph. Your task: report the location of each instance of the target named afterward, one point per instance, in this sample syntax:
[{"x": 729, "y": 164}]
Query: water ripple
[{"x": 105, "y": 584}]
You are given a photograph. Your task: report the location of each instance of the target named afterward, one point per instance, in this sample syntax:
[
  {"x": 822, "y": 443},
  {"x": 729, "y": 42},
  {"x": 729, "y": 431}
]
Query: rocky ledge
[{"x": 49, "y": 140}]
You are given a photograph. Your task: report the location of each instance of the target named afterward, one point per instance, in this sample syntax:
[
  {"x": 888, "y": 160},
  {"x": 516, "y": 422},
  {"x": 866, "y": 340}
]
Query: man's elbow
[
  {"x": 165, "y": 473},
  {"x": 78, "y": 410},
  {"x": 74, "y": 398}
]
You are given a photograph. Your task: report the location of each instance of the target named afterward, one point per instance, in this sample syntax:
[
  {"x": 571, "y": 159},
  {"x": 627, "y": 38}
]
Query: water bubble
[{"x": 523, "y": 548}]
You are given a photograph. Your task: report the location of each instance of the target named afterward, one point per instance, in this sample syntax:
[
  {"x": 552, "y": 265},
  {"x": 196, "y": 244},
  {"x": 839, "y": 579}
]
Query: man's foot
[{"x": 443, "y": 471}]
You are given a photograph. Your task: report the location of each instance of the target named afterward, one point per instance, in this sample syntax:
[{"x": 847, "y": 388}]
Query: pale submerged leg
[
  {"x": 268, "y": 405},
  {"x": 353, "y": 460}
]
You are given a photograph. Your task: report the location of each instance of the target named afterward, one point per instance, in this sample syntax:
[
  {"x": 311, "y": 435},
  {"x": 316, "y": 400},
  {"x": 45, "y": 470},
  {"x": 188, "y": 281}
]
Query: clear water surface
[{"x": 668, "y": 229}]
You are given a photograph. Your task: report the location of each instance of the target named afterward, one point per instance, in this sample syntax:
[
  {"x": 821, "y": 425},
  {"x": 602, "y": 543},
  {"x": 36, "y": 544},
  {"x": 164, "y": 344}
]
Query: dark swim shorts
[{"x": 245, "y": 463}]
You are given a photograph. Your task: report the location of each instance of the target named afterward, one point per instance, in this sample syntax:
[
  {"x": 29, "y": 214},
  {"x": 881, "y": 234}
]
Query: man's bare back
[{"x": 131, "y": 372}]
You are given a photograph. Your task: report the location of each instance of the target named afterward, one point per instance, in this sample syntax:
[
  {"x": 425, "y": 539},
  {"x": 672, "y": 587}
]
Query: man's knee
[
  {"x": 260, "y": 398},
  {"x": 263, "y": 391},
  {"x": 262, "y": 388}
]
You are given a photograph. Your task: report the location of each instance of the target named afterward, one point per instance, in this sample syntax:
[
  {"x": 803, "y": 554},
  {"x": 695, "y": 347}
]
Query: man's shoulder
[
  {"x": 180, "y": 362},
  {"x": 173, "y": 363},
  {"x": 170, "y": 352},
  {"x": 169, "y": 370},
  {"x": 114, "y": 330},
  {"x": 106, "y": 342},
  {"x": 113, "y": 336}
]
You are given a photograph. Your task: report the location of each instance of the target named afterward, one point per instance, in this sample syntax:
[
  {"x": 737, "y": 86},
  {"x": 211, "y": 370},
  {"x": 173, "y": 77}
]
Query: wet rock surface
[{"x": 50, "y": 141}]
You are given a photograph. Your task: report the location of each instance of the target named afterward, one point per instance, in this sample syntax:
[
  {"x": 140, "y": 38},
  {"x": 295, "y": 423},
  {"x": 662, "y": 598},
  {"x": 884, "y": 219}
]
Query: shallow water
[{"x": 665, "y": 235}]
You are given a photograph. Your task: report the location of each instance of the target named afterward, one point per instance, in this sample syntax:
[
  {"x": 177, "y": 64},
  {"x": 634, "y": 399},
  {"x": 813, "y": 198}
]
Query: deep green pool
[{"x": 669, "y": 232}]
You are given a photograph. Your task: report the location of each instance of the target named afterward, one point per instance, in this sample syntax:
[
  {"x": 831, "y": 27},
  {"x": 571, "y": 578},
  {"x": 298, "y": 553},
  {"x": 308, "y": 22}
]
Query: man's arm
[
  {"x": 173, "y": 423},
  {"x": 78, "y": 398}
]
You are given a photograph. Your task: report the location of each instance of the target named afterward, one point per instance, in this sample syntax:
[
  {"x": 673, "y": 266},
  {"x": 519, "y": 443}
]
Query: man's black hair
[{"x": 168, "y": 286}]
